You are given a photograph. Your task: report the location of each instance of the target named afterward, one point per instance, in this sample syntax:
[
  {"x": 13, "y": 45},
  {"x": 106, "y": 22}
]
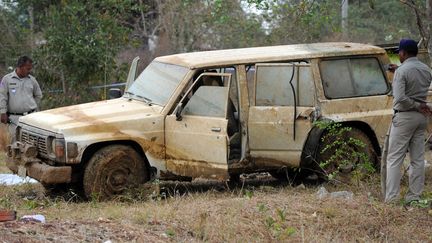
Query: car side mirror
[
  {"x": 178, "y": 110},
  {"x": 114, "y": 93}
]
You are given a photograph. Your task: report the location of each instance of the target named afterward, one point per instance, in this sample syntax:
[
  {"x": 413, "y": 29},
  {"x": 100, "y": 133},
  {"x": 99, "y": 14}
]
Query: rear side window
[
  {"x": 352, "y": 77},
  {"x": 284, "y": 84}
]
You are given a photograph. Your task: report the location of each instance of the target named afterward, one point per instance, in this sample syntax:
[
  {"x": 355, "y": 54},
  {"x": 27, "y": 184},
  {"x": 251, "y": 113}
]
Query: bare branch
[{"x": 419, "y": 18}]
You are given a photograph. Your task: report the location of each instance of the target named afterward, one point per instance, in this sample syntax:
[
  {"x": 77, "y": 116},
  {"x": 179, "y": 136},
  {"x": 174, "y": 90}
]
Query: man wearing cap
[
  {"x": 410, "y": 86},
  {"x": 20, "y": 94}
]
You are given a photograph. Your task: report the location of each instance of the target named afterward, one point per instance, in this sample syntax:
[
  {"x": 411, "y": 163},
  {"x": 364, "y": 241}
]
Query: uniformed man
[
  {"x": 20, "y": 94},
  {"x": 410, "y": 86}
]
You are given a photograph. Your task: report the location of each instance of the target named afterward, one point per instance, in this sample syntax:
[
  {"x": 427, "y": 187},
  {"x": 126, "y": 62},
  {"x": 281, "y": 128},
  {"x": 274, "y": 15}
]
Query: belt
[
  {"x": 21, "y": 114},
  {"x": 397, "y": 111}
]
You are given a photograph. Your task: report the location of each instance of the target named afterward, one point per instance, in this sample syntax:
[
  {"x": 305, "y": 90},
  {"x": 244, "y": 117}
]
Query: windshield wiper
[
  {"x": 147, "y": 100},
  {"x": 129, "y": 93}
]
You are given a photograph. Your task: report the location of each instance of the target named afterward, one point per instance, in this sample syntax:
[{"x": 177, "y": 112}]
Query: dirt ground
[{"x": 260, "y": 209}]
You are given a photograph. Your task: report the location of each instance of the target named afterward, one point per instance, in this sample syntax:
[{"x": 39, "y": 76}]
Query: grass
[
  {"x": 3, "y": 168},
  {"x": 256, "y": 212},
  {"x": 4, "y": 139}
]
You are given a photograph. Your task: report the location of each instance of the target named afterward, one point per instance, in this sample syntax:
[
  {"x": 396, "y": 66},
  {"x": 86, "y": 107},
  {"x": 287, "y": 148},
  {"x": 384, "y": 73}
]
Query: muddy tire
[
  {"x": 112, "y": 170},
  {"x": 344, "y": 172},
  {"x": 286, "y": 175}
]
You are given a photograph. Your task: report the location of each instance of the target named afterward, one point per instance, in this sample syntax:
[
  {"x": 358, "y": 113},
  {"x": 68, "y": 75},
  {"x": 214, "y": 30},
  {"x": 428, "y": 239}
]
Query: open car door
[{"x": 196, "y": 135}]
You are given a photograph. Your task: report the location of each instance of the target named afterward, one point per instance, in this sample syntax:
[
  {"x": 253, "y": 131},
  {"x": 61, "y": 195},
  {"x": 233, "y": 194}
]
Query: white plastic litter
[
  {"x": 11, "y": 179},
  {"x": 342, "y": 194},
  {"x": 36, "y": 218},
  {"x": 323, "y": 193}
]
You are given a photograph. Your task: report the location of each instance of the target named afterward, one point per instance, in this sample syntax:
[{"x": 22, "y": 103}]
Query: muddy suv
[{"x": 214, "y": 114}]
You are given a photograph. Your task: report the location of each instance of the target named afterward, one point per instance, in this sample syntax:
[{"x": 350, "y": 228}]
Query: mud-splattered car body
[{"x": 257, "y": 116}]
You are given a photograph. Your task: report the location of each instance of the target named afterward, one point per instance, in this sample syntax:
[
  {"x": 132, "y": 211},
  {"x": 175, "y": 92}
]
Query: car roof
[{"x": 202, "y": 59}]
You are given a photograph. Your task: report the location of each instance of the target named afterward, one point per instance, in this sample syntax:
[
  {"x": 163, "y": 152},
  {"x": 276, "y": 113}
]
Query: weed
[
  {"x": 31, "y": 204},
  {"x": 94, "y": 199},
  {"x": 343, "y": 152},
  {"x": 262, "y": 208},
  {"x": 278, "y": 226},
  {"x": 281, "y": 213},
  {"x": 248, "y": 194},
  {"x": 170, "y": 233},
  {"x": 6, "y": 203}
]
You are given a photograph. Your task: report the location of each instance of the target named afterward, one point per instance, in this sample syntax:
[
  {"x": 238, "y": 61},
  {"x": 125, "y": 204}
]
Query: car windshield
[{"x": 157, "y": 83}]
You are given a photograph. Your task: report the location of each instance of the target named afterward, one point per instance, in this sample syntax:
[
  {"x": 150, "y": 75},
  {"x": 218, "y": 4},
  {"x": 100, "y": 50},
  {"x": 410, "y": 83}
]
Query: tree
[
  {"x": 423, "y": 19},
  {"x": 13, "y": 33},
  {"x": 206, "y": 25}
]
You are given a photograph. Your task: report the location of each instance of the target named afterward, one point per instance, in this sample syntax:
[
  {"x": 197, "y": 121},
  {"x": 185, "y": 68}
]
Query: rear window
[{"x": 352, "y": 77}]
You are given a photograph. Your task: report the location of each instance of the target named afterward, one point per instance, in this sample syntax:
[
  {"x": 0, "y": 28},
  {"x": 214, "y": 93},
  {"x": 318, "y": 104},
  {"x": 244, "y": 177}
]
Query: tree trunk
[
  {"x": 344, "y": 15},
  {"x": 31, "y": 23},
  {"x": 429, "y": 28},
  {"x": 63, "y": 80}
]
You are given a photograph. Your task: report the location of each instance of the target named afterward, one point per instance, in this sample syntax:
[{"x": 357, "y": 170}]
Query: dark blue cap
[{"x": 407, "y": 45}]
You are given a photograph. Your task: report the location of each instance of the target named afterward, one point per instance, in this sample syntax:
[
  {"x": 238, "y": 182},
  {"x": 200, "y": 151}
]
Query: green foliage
[
  {"x": 342, "y": 152},
  {"x": 31, "y": 204},
  {"x": 278, "y": 224},
  {"x": 261, "y": 4},
  {"x": 248, "y": 194},
  {"x": 14, "y": 35},
  {"x": 83, "y": 39}
]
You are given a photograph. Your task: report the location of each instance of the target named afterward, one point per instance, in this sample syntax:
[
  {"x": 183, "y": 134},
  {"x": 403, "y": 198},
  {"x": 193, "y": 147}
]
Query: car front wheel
[{"x": 112, "y": 170}]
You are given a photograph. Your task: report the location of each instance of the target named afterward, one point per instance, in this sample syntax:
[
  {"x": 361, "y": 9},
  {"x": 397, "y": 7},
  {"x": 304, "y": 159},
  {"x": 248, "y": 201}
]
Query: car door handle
[{"x": 216, "y": 129}]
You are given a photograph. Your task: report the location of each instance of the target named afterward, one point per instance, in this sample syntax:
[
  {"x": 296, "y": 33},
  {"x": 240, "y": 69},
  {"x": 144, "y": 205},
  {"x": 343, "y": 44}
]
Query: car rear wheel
[
  {"x": 338, "y": 157},
  {"x": 112, "y": 170}
]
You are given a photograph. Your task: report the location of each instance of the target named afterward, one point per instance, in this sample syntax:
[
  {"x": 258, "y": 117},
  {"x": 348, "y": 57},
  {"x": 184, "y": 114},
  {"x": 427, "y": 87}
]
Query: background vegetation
[{"x": 79, "y": 44}]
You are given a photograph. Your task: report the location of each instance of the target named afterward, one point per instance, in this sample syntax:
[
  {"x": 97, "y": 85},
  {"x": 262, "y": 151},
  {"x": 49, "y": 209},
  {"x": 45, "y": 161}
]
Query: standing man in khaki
[
  {"x": 410, "y": 86},
  {"x": 20, "y": 94}
]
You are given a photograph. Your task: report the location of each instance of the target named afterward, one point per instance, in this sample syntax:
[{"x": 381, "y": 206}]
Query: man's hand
[
  {"x": 424, "y": 108},
  {"x": 392, "y": 67},
  {"x": 4, "y": 118}
]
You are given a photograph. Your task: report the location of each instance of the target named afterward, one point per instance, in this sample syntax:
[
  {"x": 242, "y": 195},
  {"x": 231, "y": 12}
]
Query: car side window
[
  {"x": 352, "y": 77},
  {"x": 208, "y": 101},
  {"x": 207, "y": 96},
  {"x": 284, "y": 84}
]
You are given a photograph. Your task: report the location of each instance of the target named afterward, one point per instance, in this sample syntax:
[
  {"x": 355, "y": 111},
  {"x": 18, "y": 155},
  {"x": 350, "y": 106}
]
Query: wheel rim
[{"x": 117, "y": 180}]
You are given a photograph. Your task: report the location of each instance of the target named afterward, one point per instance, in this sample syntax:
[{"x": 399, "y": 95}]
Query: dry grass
[
  {"x": 3, "y": 168},
  {"x": 256, "y": 212},
  {"x": 4, "y": 138}
]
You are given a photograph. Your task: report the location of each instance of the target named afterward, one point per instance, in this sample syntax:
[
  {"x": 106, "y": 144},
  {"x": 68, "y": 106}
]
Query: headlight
[{"x": 57, "y": 148}]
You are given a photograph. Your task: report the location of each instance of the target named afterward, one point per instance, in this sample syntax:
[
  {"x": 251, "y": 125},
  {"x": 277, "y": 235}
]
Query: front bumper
[{"x": 22, "y": 160}]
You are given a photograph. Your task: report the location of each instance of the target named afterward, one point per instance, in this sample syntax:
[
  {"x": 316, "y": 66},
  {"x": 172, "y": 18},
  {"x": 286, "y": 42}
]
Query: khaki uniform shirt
[
  {"x": 19, "y": 95},
  {"x": 411, "y": 82}
]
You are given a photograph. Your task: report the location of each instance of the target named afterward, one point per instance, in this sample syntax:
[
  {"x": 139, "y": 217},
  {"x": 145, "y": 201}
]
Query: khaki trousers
[
  {"x": 407, "y": 134},
  {"x": 12, "y": 127}
]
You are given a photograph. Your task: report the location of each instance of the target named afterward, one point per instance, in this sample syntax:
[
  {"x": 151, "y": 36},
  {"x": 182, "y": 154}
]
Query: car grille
[{"x": 39, "y": 141}]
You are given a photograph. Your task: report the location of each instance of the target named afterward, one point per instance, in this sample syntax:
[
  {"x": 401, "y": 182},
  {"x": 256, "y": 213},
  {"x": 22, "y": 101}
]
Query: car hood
[{"x": 118, "y": 111}]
